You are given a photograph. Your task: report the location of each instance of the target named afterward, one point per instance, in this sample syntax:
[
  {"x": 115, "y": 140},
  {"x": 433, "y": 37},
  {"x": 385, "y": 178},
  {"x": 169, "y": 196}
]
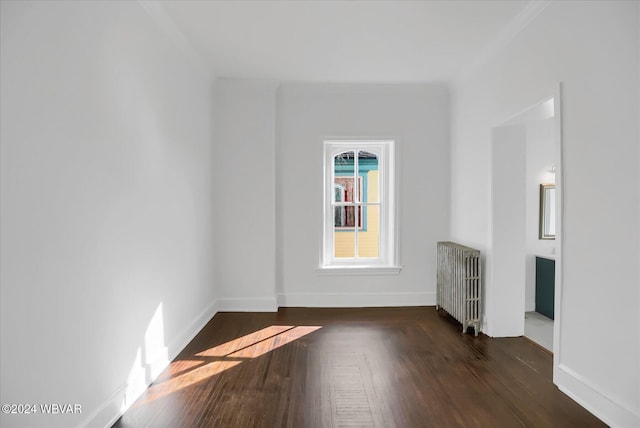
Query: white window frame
[{"x": 386, "y": 262}]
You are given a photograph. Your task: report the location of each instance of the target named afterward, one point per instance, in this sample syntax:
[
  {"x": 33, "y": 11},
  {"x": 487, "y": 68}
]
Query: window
[{"x": 359, "y": 205}]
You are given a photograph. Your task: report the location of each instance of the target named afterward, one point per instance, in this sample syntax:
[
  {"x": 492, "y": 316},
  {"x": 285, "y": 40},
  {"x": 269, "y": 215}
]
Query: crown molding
[
  {"x": 168, "y": 26},
  {"x": 503, "y": 38}
]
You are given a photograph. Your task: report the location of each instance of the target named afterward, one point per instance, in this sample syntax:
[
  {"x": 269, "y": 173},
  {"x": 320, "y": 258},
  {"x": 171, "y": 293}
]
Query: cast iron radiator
[{"x": 459, "y": 284}]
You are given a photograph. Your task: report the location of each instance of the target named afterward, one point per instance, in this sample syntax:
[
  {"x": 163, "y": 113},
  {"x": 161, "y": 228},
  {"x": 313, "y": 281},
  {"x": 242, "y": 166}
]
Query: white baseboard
[
  {"x": 109, "y": 412},
  {"x": 355, "y": 300},
  {"x": 250, "y": 304},
  {"x": 189, "y": 332},
  {"x": 584, "y": 393}
]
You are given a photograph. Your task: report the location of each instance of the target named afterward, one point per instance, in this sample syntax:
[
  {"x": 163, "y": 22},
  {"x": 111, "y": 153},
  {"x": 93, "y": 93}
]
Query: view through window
[{"x": 358, "y": 202}]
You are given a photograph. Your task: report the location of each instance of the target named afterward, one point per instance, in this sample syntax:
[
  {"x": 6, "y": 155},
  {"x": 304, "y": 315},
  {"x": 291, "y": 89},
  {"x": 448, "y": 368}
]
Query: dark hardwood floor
[{"x": 379, "y": 367}]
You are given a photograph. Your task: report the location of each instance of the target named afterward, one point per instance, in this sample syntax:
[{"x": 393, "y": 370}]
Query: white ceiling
[{"x": 341, "y": 41}]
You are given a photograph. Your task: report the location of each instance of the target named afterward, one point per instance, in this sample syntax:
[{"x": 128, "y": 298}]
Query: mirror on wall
[{"x": 547, "y": 211}]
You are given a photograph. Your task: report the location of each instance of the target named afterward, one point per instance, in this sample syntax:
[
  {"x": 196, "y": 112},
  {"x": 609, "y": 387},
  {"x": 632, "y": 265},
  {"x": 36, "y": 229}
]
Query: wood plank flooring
[{"x": 373, "y": 367}]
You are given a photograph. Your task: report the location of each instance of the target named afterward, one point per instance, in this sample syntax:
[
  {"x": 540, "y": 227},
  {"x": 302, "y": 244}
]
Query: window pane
[
  {"x": 339, "y": 217},
  {"x": 344, "y": 243},
  {"x": 346, "y": 217},
  {"x": 368, "y": 169},
  {"x": 343, "y": 187},
  {"x": 369, "y": 236}
]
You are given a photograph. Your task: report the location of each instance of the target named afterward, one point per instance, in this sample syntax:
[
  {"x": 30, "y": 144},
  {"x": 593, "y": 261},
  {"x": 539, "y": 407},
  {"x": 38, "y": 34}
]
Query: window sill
[{"x": 359, "y": 270}]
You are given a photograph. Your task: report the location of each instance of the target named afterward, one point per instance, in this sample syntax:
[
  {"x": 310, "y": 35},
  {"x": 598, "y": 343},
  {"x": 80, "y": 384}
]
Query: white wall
[
  {"x": 505, "y": 309},
  {"x": 106, "y": 214},
  {"x": 593, "y": 48},
  {"x": 417, "y": 116},
  {"x": 245, "y": 172}
]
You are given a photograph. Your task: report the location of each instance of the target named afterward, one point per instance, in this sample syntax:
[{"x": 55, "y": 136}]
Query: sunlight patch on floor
[{"x": 203, "y": 365}]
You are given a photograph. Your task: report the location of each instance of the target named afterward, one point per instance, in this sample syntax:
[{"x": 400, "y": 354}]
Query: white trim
[
  {"x": 108, "y": 412},
  {"x": 189, "y": 332},
  {"x": 359, "y": 270},
  {"x": 582, "y": 391},
  {"x": 559, "y": 257},
  {"x": 111, "y": 409},
  {"x": 385, "y": 149},
  {"x": 357, "y": 300},
  {"x": 638, "y": 205},
  {"x": 247, "y": 304}
]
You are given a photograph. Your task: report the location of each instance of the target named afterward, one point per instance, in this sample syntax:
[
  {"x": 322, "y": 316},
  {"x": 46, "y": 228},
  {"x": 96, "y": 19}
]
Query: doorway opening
[{"x": 526, "y": 224}]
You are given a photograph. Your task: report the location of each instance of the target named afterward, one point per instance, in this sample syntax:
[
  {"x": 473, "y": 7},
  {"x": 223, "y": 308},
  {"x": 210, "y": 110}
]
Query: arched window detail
[{"x": 359, "y": 215}]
